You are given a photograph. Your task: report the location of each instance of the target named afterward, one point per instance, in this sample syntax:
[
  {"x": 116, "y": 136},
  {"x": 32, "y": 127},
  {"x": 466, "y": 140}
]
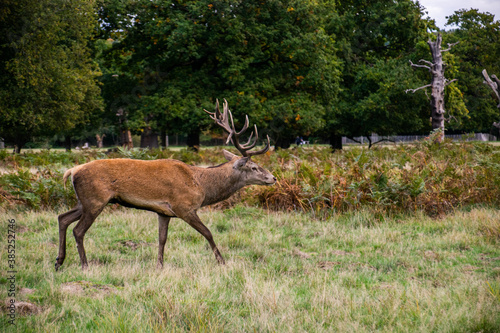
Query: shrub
[
  {"x": 435, "y": 178},
  {"x": 424, "y": 176},
  {"x": 42, "y": 189}
]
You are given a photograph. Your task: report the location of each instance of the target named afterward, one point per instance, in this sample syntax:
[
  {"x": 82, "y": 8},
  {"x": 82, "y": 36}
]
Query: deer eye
[{"x": 254, "y": 168}]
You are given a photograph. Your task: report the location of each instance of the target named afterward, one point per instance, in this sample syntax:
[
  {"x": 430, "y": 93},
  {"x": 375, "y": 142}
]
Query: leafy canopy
[{"x": 47, "y": 76}]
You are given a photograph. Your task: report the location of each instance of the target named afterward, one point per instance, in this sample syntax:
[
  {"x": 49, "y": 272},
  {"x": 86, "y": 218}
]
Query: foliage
[
  {"x": 428, "y": 176},
  {"x": 375, "y": 39},
  {"x": 378, "y": 102},
  {"x": 42, "y": 189},
  {"x": 435, "y": 178},
  {"x": 297, "y": 68},
  {"x": 271, "y": 60},
  {"x": 47, "y": 158},
  {"x": 47, "y": 76}
]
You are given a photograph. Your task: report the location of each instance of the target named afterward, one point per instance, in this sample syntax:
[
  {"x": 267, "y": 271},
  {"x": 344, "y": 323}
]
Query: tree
[
  {"x": 272, "y": 60},
  {"x": 479, "y": 48},
  {"x": 374, "y": 37},
  {"x": 47, "y": 77},
  {"x": 438, "y": 83},
  {"x": 494, "y": 85},
  {"x": 378, "y": 103}
]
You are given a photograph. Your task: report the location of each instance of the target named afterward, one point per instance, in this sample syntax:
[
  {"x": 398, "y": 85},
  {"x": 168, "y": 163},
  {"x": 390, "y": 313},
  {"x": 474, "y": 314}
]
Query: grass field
[{"x": 285, "y": 272}]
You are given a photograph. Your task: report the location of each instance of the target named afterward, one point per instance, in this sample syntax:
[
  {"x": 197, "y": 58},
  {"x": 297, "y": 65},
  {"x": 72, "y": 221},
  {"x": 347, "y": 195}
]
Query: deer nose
[{"x": 274, "y": 178}]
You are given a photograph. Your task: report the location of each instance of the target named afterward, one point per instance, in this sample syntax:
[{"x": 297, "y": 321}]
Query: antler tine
[
  {"x": 247, "y": 145},
  {"x": 225, "y": 120},
  {"x": 263, "y": 150},
  {"x": 244, "y": 126},
  {"x": 222, "y": 119},
  {"x": 214, "y": 114},
  {"x": 232, "y": 130}
]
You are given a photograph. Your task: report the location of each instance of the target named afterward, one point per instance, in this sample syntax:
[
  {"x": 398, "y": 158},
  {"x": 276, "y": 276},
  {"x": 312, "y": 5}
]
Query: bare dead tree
[
  {"x": 100, "y": 139},
  {"x": 495, "y": 86},
  {"x": 438, "y": 82}
]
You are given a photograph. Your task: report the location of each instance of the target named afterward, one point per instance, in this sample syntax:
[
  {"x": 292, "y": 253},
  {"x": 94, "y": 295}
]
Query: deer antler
[{"x": 225, "y": 120}]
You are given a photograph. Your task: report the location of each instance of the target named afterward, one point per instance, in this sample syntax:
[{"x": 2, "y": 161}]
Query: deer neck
[{"x": 219, "y": 182}]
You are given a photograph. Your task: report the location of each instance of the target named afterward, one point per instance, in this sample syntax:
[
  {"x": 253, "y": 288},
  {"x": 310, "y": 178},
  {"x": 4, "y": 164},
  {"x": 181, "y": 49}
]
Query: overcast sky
[{"x": 439, "y": 9}]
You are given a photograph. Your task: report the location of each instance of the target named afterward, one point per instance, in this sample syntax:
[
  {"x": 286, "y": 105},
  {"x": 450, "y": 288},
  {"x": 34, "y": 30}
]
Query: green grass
[{"x": 353, "y": 272}]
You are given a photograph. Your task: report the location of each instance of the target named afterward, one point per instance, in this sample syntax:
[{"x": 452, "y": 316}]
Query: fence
[{"x": 410, "y": 138}]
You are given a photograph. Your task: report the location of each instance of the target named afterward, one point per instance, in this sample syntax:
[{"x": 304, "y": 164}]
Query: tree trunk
[
  {"x": 163, "y": 138},
  {"x": 126, "y": 139},
  {"x": 335, "y": 141},
  {"x": 100, "y": 139},
  {"x": 67, "y": 142},
  {"x": 438, "y": 83},
  {"x": 19, "y": 143},
  {"x": 283, "y": 143},
  {"x": 193, "y": 140},
  {"x": 149, "y": 139},
  {"x": 495, "y": 86}
]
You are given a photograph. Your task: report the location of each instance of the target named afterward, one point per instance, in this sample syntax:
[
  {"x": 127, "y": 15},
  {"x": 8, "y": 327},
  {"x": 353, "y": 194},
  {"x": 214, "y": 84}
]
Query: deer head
[{"x": 250, "y": 172}]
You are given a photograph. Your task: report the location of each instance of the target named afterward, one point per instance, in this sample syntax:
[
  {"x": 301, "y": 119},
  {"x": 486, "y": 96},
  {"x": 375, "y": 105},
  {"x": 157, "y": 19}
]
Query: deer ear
[
  {"x": 241, "y": 162},
  {"x": 229, "y": 156}
]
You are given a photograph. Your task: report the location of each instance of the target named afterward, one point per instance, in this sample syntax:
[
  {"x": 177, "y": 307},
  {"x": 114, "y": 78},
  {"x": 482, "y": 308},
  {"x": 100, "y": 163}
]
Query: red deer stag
[{"x": 167, "y": 187}]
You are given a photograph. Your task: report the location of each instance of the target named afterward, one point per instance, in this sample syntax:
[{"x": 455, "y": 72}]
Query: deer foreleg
[
  {"x": 163, "y": 222},
  {"x": 193, "y": 220}
]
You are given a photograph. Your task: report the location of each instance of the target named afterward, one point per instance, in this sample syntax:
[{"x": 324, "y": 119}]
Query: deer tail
[
  {"x": 66, "y": 175},
  {"x": 70, "y": 172}
]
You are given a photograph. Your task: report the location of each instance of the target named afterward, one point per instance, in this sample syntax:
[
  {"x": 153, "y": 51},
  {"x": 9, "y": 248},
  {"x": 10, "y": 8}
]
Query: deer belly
[{"x": 161, "y": 207}]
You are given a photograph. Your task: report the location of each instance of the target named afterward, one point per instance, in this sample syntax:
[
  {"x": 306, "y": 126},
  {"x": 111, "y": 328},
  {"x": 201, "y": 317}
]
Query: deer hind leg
[
  {"x": 88, "y": 217},
  {"x": 65, "y": 220},
  {"x": 193, "y": 220},
  {"x": 163, "y": 222}
]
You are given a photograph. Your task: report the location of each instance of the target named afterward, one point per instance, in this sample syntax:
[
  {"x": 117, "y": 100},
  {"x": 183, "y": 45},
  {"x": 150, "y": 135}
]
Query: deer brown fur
[{"x": 167, "y": 187}]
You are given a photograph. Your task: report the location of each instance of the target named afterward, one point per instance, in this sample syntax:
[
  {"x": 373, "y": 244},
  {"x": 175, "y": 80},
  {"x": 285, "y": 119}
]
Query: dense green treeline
[{"x": 74, "y": 69}]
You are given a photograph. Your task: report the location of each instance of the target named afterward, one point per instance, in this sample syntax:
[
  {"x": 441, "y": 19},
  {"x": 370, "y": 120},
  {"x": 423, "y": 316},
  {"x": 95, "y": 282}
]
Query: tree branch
[
  {"x": 383, "y": 140},
  {"x": 493, "y": 85},
  {"x": 427, "y": 62},
  {"x": 420, "y": 66},
  {"x": 494, "y": 77},
  {"x": 414, "y": 90},
  {"x": 352, "y": 138},
  {"x": 450, "y": 45},
  {"x": 450, "y": 81}
]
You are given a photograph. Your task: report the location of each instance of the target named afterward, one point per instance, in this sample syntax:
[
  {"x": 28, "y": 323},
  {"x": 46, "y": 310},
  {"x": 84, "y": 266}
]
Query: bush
[
  {"x": 435, "y": 178},
  {"x": 42, "y": 189}
]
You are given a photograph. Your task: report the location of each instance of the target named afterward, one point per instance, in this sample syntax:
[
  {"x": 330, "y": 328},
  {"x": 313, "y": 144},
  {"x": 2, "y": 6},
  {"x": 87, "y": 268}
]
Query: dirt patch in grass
[
  {"x": 343, "y": 253},
  {"x": 26, "y": 291},
  {"x": 133, "y": 244},
  {"x": 301, "y": 254},
  {"x": 21, "y": 308},
  {"x": 86, "y": 288},
  {"x": 326, "y": 265}
]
